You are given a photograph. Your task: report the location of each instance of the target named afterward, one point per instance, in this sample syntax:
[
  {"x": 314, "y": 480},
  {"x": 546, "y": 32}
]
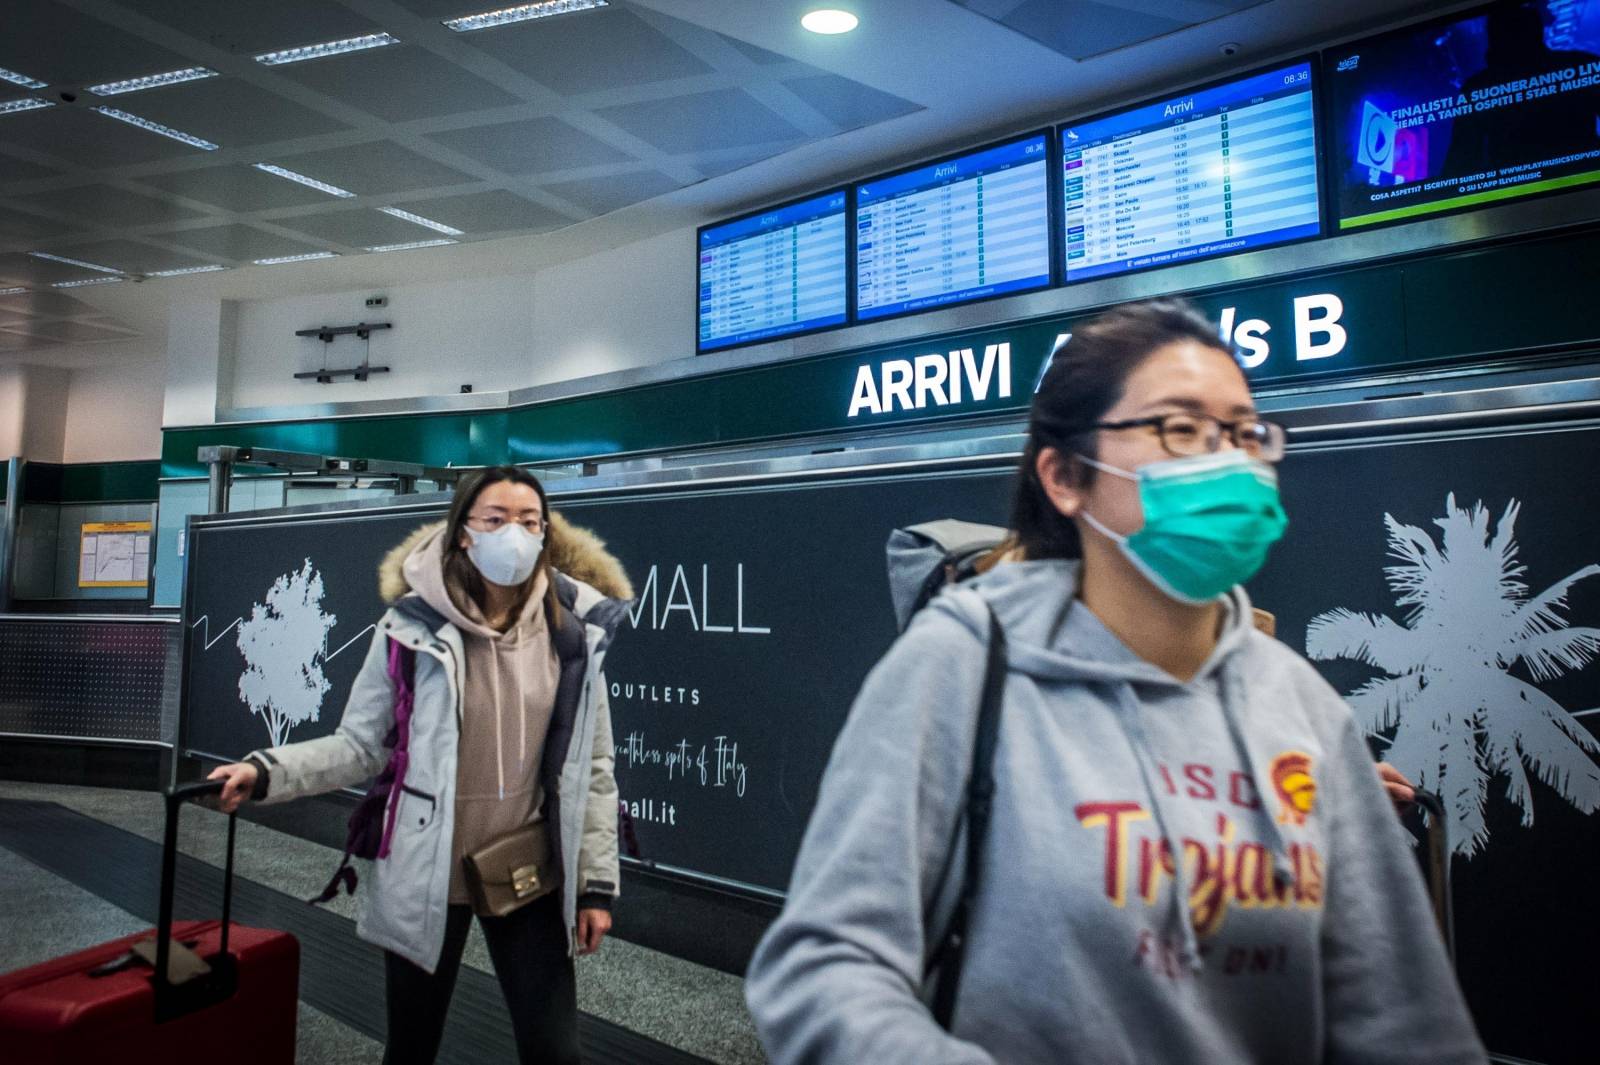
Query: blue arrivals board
[
  {"x": 1214, "y": 171},
  {"x": 773, "y": 274},
  {"x": 967, "y": 228}
]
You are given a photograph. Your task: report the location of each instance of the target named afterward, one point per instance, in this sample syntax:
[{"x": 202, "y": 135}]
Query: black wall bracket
[{"x": 326, "y": 334}]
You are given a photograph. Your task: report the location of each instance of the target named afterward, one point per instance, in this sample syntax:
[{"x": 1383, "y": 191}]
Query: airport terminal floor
[{"x": 999, "y": 532}]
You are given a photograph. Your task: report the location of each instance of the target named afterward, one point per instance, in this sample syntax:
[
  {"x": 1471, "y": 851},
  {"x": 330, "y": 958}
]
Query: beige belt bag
[{"x": 510, "y": 872}]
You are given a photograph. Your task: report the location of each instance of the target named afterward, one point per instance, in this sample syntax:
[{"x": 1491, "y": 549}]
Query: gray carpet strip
[{"x": 339, "y": 974}]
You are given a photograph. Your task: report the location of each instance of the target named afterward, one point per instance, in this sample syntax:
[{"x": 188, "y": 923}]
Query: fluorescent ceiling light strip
[
  {"x": 505, "y": 16},
  {"x": 87, "y": 281},
  {"x": 186, "y": 270},
  {"x": 327, "y": 48},
  {"x": 21, "y": 79},
  {"x": 309, "y": 182},
  {"x": 76, "y": 262},
  {"x": 152, "y": 81},
  {"x": 296, "y": 258},
  {"x": 414, "y": 244},
  {"x": 438, "y": 227},
  {"x": 12, "y": 291},
  {"x": 27, "y": 103},
  {"x": 156, "y": 127}
]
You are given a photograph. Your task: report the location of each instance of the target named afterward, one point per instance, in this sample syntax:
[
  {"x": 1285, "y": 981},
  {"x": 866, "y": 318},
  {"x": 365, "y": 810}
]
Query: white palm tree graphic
[{"x": 1457, "y": 712}]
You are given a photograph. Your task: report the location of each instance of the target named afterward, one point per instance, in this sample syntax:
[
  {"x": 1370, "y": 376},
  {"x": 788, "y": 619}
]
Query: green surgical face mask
[{"x": 1209, "y": 521}]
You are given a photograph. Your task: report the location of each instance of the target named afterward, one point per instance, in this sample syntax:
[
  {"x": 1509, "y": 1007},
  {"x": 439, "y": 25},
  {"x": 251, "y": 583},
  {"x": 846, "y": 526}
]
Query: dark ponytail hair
[
  {"x": 461, "y": 578},
  {"x": 1087, "y": 377}
]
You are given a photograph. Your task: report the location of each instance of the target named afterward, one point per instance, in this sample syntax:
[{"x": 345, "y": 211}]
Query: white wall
[
  {"x": 200, "y": 357},
  {"x": 33, "y": 411},
  {"x": 627, "y": 307},
  {"x": 446, "y": 333},
  {"x": 13, "y": 396},
  {"x": 114, "y": 413}
]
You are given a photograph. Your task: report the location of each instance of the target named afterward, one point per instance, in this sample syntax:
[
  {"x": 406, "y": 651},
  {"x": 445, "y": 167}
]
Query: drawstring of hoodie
[
  {"x": 522, "y": 716},
  {"x": 1178, "y": 911},
  {"x": 1232, "y": 692}
]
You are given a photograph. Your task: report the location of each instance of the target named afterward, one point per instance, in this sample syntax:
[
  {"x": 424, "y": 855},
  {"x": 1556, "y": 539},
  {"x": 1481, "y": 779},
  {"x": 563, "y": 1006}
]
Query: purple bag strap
[{"x": 402, "y": 662}]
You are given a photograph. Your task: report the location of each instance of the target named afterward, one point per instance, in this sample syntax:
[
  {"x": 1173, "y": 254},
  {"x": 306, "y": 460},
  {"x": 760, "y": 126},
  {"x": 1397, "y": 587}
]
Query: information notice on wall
[{"x": 114, "y": 554}]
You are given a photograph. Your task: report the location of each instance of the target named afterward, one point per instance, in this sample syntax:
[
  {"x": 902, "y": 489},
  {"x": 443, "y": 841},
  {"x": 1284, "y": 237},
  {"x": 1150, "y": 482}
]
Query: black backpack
[{"x": 924, "y": 559}]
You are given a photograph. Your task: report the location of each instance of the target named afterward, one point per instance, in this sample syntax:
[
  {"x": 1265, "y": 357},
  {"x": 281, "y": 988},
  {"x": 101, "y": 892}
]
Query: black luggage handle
[
  {"x": 1438, "y": 844},
  {"x": 175, "y": 1000}
]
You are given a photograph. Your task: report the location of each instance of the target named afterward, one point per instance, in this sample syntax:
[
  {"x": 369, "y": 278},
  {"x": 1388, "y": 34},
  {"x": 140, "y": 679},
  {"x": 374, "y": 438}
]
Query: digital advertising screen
[
  {"x": 1496, "y": 103},
  {"x": 1217, "y": 170},
  {"x": 773, "y": 274},
  {"x": 966, "y": 228}
]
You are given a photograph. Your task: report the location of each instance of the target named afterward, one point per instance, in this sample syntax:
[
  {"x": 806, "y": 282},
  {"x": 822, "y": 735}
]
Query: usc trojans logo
[{"x": 1297, "y": 791}]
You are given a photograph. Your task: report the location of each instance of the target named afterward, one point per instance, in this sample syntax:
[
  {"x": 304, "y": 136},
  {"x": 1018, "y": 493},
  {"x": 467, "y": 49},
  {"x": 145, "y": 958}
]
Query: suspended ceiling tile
[
  {"x": 237, "y": 188},
  {"x": 400, "y": 84},
  {"x": 362, "y": 227},
  {"x": 14, "y": 225},
  {"x": 45, "y": 304},
  {"x": 601, "y": 195},
  {"x": 759, "y": 56},
  {"x": 55, "y": 44},
  {"x": 11, "y": 342},
  {"x": 374, "y": 168},
  {"x": 13, "y": 169},
  {"x": 229, "y": 113},
  {"x": 848, "y": 104},
  {"x": 1079, "y": 29},
  {"x": 588, "y": 51},
  {"x": 130, "y": 256},
  {"x": 251, "y": 28},
  {"x": 534, "y": 146},
  {"x": 725, "y": 162},
  {"x": 79, "y": 135},
  {"x": 106, "y": 205},
  {"x": 77, "y": 332},
  {"x": 707, "y": 121},
  {"x": 238, "y": 242},
  {"x": 487, "y": 212}
]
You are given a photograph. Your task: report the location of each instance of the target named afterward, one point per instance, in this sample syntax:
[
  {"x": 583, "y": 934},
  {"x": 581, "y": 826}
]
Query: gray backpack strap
[{"x": 918, "y": 554}]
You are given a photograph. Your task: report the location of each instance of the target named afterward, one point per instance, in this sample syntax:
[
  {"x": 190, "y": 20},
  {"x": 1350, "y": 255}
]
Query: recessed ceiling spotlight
[
  {"x": 326, "y": 48},
  {"x": 76, "y": 262},
  {"x": 505, "y": 16},
  {"x": 829, "y": 20},
  {"x": 87, "y": 281},
  {"x": 306, "y": 258},
  {"x": 309, "y": 182},
  {"x": 414, "y": 244},
  {"x": 152, "y": 81},
  {"x": 156, "y": 127},
  {"x": 20, "y": 79},
  {"x": 438, "y": 227},
  {"x": 180, "y": 271},
  {"x": 27, "y": 103}
]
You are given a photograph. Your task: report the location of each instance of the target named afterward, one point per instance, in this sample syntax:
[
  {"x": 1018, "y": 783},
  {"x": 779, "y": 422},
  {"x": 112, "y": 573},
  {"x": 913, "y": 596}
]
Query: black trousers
[{"x": 529, "y": 951}]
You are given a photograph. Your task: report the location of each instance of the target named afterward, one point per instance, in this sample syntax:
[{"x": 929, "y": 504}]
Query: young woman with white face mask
[
  {"x": 1189, "y": 857},
  {"x": 485, "y": 673}
]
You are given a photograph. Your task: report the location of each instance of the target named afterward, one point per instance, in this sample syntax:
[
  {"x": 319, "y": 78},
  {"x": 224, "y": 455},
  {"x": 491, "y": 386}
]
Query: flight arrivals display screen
[
  {"x": 773, "y": 274},
  {"x": 1489, "y": 105},
  {"x": 1214, "y": 171},
  {"x": 963, "y": 229}
]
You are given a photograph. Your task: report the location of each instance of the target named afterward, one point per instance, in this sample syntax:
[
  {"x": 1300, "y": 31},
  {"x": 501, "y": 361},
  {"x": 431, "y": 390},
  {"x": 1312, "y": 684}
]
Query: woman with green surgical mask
[{"x": 1188, "y": 856}]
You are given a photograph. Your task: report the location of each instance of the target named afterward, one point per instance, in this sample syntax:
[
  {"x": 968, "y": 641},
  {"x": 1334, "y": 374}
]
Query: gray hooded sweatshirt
[{"x": 1175, "y": 872}]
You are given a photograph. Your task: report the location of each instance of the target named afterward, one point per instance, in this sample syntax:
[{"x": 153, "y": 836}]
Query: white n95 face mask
[{"x": 506, "y": 556}]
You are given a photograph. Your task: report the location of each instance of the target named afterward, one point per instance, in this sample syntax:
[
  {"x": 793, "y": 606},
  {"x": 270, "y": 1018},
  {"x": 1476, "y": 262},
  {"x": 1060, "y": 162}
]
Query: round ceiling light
[{"x": 829, "y": 21}]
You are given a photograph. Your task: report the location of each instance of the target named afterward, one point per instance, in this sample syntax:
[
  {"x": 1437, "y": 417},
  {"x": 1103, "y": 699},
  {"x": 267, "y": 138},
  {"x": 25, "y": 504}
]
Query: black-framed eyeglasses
[{"x": 1187, "y": 434}]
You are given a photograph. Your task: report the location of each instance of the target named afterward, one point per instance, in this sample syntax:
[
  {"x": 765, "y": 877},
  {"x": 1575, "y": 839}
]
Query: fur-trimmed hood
[{"x": 573, "y": 551}]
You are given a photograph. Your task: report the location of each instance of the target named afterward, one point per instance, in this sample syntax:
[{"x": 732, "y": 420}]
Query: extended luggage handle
[
  {"x": 1438, "y": 843},
  {"x": 175, "y": 998}
]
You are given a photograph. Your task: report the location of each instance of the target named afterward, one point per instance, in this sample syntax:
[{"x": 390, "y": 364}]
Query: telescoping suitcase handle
[
  {"x": 1438, "y": 865},
  {"x": 217, "y": 979}
]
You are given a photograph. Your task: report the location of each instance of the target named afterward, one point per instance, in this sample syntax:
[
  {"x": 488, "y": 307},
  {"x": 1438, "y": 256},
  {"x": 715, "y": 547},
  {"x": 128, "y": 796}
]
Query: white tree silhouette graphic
[
  {"x": 284, "y": 643},
  {"x": 1457, "y": 712}
]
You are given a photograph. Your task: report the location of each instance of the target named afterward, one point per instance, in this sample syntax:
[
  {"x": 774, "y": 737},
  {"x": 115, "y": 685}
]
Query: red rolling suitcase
[{"x": 221, "y": 990}]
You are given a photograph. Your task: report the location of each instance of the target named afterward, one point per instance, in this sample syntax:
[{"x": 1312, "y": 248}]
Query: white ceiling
[{"x": 544, "y": 141}]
